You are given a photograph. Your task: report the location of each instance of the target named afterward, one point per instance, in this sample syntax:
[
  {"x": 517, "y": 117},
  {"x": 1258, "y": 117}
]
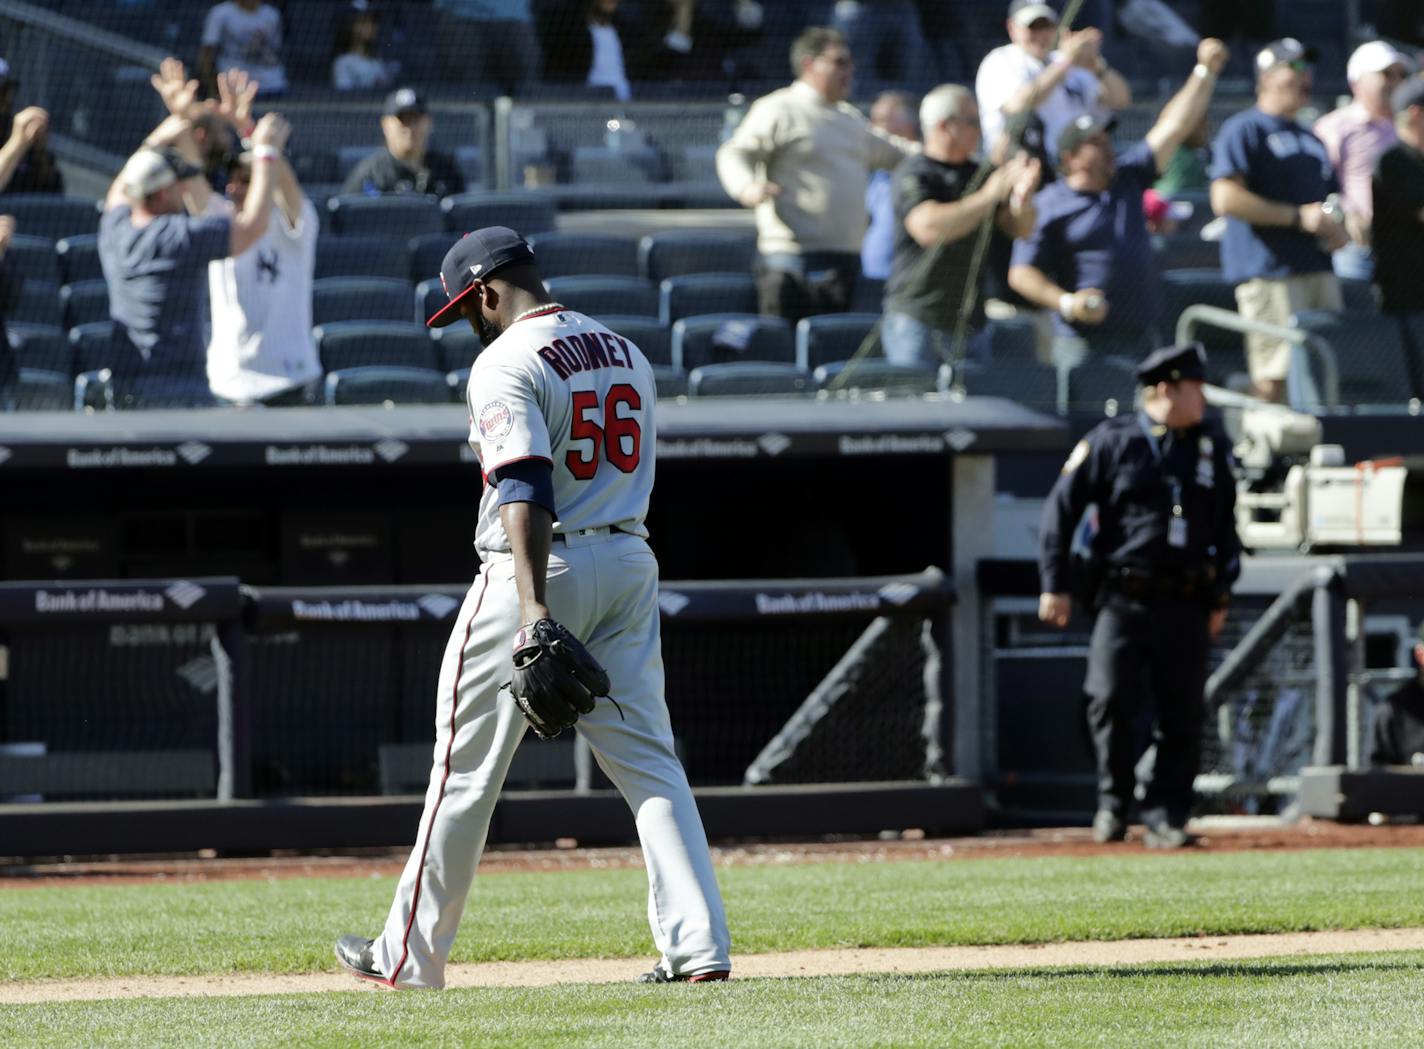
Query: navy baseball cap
[
  {"x": 476, "y": 256},
  {"x": 403, "y": 100},
  {"x": 1285, "y": 51},
  {"x": 1173, "y": 364},
  {"x": 1082, "y": 129},
  {"x": 1409, "y": 93}
]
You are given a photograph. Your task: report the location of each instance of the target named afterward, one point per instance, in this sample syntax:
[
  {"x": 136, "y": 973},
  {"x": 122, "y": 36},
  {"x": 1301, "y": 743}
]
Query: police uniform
[{"x": 1167, "y": 550}]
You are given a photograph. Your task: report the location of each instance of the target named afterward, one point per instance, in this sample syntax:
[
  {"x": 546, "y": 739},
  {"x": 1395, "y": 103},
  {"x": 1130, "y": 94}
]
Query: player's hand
[
  {"x": 1217, "y": 621},
  {"x": 179, "y": 94},
  {"x": 758, "y": 192},
  {"x": 1213, "y": 54},
  {"x": 31, "y": 124},
  {"x": 1055, "y": 609},
  {"x": 236, "y": 93},
  {"x": 1314, "y": 220},
  {"x": 7, "y": 230},
  {"x": 1090, "y": 306},
  {"x": 1082, "y": 47},
  {"x": 272, "y": 130}
]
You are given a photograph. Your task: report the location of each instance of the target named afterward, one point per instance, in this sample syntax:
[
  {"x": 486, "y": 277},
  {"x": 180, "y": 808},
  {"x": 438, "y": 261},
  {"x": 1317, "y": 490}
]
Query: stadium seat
[
  {"x": 36, "y": 302},
  {"x": 1359, "y": 296},
  {"x": 833, "y": 337},
  {"x": 32, "y": 258},
  {"x": 456, "y": 346},
  {"x": 1026, "y": 382},
  {"x": 394, "y": 214},
  {"x": 618, "y": 167},
  {"x": 868, "y": 295},
  {"x": 94, "y": 347},
  {"x": 1093, "y": 383},
  {"x": 698, "y": 293},
  {"x": 83, "y": 303},
  {"x": 1183, "y": 288},
  {"x": 1013, "y": 339},
  {"x": 365, "y": 256},
  {"x": 42, "y": 347},
  {"x": 1370, "y": 355},
  {"x": 647, "y": 333},
  {"x": 526, "y": 213},
  {"x": 458, "y": 379},
  {"x": 674, "y": 253},
  {"x": 1178, "y": 251},
  {"x": 730, "y": 337},
  {"x": 78, "y": 258},
  {"x": 349, "y": 155},
  {"x": 355, "y": 344},
  {"x": 695, "y": 163},
  {"x": 427, "y": 252},
  {"x": 605, "y": 295},
  {"x": 669, "y": 381},
  {"x": 37, "y": 390},
  {"x": 746, "y": 379},
  {"x": 51, "y": 216},
  {"x": 430, "y": 298},
  {"x": 872, "y": 373},
  {"x": 567, "y": 254},
  {"x": 470, "y": 163},
  {"x": 386, "y": 385},
  {"x": 360, "y": 299}
]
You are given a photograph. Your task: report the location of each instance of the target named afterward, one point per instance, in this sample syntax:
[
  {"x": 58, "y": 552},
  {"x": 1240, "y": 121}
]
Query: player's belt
[{"x": 559, "y": 537}]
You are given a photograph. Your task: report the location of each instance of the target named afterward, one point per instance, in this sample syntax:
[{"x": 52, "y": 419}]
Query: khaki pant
[{"x": 1274, "y": 301}]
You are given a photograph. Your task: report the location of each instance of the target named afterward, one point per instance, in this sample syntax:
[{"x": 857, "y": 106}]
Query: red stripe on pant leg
[{"x": 449, "y": 746}]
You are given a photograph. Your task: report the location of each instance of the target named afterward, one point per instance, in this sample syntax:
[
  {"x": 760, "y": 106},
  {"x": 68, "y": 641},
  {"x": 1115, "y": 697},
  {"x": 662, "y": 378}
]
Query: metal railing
[{"x": 1328, "y": 392}]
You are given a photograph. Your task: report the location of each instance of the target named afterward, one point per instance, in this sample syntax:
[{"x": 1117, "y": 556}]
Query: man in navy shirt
[
  {"x": 1090, "y": 258},
  {"x": 1272, "y": 179}
]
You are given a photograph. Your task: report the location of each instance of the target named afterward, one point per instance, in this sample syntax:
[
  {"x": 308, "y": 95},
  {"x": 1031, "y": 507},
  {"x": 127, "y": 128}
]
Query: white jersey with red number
[{"x": 560, "y": 387}]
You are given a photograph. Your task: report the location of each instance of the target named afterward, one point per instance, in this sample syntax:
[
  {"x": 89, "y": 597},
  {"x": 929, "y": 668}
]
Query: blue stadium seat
[
  {"x": 698, "y": 293},
  {"x": 458, "y": 379},
  {"x": 456, "y": 346},
  {"x": 1370, "y": 355},
  {"x": 470, "y": 163},
  {"x": 647, "y": 333},
  {"x": 731, "y": 337},
  {"x": 1359, "y": 296},
  {"x": 568, "y": 253},
  {"x": 833, "y": 337},
  {"x": 746, "y": 379},
  {"x": 673, "y": 253},
  {"x": 526, "y": 213},
  {"x": 618, "y": 167},
  {"x": 393, "y": 215},
  {"x": 42, "y": 347},
  {"x": 355, "y": 344},
  {"x": 95, "y": 348},
  {"x": 37, "y": 390},
  {"x": 360, "y": 299},
  {"x": 1013, "y": 339},
  {"x": 52, "y": 217},
  {"x": 78, "y": 258},
  {"x": 314, "y": 168},
  {"x": 37, "y": 302},
  {"x": 386, "y": 385},
  {"x": 83, "y": 303},
  {"x": 1183, "y": 288},
  {"x": 427, "y": 252},
  {"x": 1027, "y": 382},
  {"x": 669, "y": 381},
  {"x": 868, "y": 295},
  {"x": 430, "y": 298},
  {"x": 1179, "y": 251},
  {"x": 32, "y": 258},
  {"x": 1093, "y": 383},
  {"x": 605, "y": 295},
  {"x": 366, "y": 256},
  {"x": 870, "y": 373}
]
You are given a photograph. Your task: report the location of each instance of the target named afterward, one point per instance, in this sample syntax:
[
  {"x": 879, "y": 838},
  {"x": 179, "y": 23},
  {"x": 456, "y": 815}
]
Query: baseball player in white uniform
[{"x": 562, "y": 419}]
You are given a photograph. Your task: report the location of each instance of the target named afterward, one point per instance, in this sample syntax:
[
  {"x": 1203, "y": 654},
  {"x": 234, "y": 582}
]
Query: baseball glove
[{"x": 555, "y": 680}]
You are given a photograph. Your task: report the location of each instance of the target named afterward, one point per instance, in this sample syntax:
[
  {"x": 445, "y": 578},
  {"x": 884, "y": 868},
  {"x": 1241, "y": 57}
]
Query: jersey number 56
[{"x": 619, "y": 437}]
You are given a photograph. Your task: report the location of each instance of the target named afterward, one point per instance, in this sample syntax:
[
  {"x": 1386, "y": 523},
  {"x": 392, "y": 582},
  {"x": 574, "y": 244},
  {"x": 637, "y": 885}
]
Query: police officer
[{"x": 1167, "y": 551}]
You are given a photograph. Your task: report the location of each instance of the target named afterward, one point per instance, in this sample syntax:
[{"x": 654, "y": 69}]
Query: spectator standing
[
  {"x": 1090, "y": 256},
  {"x": 247, "y": 35},
  {"x": 8, "y": 370},
  {"x": 1398, "y": 737},
  {"x": 595, "y": 57},
  {"x": 937, "y": 220},
  {"x": 154, "y": 246},
  {"x": 1058, "y": 87},
  {"x": 488, "y": 41},
  {"x": 1355, "y": 135},
  {"x": 887, "y": 41},
  {"x": 1186, "y": 171},
  {"x": 1273, "y": 180},
  {"x": 802, "y": 157},
  {"x": 1398, "y": 193},
  {"x": 260, "y": 350},
  {"x": 405, "y": 164},
  {"x": 894, "y": 113},
  {"x": 26, "y": 164},
  {"x": 358, "y": 65}
]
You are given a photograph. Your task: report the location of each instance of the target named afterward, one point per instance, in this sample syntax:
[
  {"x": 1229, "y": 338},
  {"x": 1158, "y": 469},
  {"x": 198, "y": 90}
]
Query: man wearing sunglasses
[{"x": 1273, "y": 181}]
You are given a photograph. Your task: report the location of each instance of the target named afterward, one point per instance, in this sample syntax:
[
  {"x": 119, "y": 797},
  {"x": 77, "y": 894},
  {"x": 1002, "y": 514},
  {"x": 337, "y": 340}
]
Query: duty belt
[{"x": 1139, "y": 584}]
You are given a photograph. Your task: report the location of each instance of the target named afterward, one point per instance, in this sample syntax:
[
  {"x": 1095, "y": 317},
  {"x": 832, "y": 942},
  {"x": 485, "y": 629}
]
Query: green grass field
[{"x": 287, "y": 926}]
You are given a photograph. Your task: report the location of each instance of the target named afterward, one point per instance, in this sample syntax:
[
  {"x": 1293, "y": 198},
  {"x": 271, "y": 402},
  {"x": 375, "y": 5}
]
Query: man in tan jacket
[{"x": 802, "y": 158}]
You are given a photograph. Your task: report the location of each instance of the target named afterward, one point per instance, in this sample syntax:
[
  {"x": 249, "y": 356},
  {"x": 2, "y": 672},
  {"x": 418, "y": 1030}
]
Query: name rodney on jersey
[{"x": 583, "y": 353}]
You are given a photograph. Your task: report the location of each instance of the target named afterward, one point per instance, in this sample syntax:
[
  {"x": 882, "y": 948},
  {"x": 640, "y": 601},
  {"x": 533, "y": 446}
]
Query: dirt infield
[{"x": 903, "y": 960}]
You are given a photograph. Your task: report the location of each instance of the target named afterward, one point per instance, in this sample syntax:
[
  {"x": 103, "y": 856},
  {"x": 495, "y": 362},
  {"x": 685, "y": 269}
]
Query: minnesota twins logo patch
[{"x": 496, "y": 420}]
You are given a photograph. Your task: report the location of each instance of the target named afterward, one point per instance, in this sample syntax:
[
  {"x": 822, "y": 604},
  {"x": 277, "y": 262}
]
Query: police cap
[{"x": 1172, "y": 364}]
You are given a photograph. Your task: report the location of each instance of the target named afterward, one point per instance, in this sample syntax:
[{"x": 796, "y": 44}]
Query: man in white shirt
[
  {"x": 1058, "y": 86},
  {"x": 260, "y": 350}
]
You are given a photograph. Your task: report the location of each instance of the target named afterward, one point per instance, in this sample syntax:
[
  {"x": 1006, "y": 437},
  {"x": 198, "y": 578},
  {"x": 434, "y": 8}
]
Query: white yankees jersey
[{"x": 560, "y": 387}]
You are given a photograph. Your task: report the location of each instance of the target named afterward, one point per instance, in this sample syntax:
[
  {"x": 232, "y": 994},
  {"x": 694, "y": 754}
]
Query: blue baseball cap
[{"x": 475, "y": 257}]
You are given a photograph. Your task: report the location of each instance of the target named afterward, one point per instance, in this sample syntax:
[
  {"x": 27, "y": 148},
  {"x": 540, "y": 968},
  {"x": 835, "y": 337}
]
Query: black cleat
[
  {"x": 661, "y": 975},
  {"x": 354, "y": 953},
  {"x": 1108, "y": 826}
]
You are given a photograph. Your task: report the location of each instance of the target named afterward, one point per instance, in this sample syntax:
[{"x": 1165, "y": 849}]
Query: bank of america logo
[
  {"x": 438, "y": 605},
  {"x": 391, "y": 450},
  {"x": 960, "y": 439},
  {"x": 774, "y": 443},
  {"x": 672, "y": 603},
  {"x": 201, "y": 672},
  {"x": 4, "y": 453},
  {"x": 898, "y": 593},
  {"x": 185, "y": 594},
  {"x": 194, "y": 452}
]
